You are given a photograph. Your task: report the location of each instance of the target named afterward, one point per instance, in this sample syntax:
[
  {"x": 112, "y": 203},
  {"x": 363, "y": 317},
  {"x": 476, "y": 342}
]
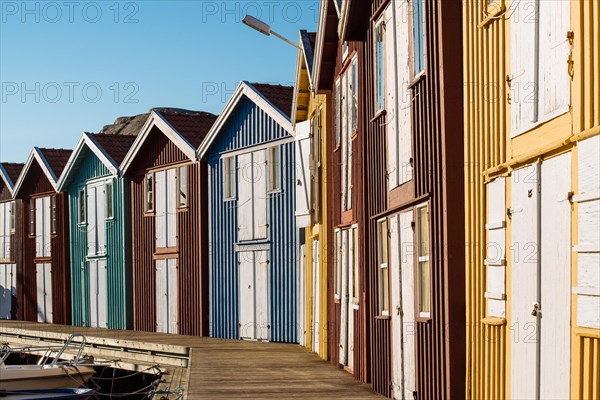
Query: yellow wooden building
[
  {"x": 310, "y": 121},
  {"x": 532, "y": 189}
]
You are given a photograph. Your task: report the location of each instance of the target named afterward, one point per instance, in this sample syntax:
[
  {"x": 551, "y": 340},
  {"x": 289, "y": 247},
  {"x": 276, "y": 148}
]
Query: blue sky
[{"x": 70, "y": 66}]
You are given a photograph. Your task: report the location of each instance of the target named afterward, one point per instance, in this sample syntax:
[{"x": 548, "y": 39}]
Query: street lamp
[{"x": 265, "y": 29}]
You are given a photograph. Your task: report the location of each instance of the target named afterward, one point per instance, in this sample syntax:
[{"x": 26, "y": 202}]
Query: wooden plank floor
[{"x": 227, "y": 369}]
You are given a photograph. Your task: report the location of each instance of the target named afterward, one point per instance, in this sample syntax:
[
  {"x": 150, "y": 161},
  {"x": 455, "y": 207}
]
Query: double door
[
  {"x": 253, "y": 289},
  {"x": 98, "y": 300},
  {"x": 347, "y": 290},
  {"x": 43, "y": 274},
  {"x": 540, "y": 294}
]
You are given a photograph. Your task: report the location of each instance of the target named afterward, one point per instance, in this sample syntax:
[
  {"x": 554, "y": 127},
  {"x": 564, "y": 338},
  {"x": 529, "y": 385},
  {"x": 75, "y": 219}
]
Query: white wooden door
[
  {"x": 402, "y": 300},
  {"x": 555, "y": 274},
  {"x": 259, "y": 159},
  {"x": 343, "y": 354},
  {"x": 261, "y": 279},
  {"x": 302, "y": 303},
  {"x": 8, "y": 278},
  {"x": 5, "y": 231},
  {"x": 244, "y": 203},
  {"x": 350, "y": 267},
  {"x": 167, "y": 320},
  {"x": 524, "y": 291},
  {"x": 98, "y": 294},
  {"x": 44, "y": 292},
  {"x": 303, "y": 182},
  {"x": 246, "y": 295},
  {"x": 316, "y": 297}
]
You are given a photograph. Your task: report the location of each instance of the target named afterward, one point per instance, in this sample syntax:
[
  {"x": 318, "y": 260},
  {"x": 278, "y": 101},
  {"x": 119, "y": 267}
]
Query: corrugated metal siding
[
  {"x": 118, "y": 264},
  {"x": 248, "y": 126},
  {"x": 35, "y": 184},
  {"x": 192, "y": 254}
]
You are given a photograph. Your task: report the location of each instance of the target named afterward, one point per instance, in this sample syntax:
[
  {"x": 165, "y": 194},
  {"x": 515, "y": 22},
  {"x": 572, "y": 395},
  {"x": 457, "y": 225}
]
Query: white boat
[{"x": 51, "y": 371}]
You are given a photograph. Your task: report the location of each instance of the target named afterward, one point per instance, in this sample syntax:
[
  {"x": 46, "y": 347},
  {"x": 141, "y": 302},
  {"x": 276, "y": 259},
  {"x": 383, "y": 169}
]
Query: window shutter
[
  {"x": 171, "y": 207},
  {"x": 46, "y": 236},
  {"x": 303, "y": 186},
  {"x": 260, "y": 177},
  {"x": 554, "y": 48},
  {"x": 161, "y": 208},
  {"x": 496, "y": 248},
  {"x": 244, "y": 203},
  {"x": 523, "y": 76},
  {"x": 91, "y": 221},
  {"x": 101, "y": 218},
  {"x": 4, "y": 217},
  {"x": 39, "y": 227}
]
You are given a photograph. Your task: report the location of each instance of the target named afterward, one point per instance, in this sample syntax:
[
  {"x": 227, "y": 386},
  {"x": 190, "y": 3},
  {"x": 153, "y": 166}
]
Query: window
[
  {"x": 423, "y": 272},
  {"x": 149, "y": 190},
  {"x": 274, "y": 165},
  {"x": 13, "y": 222},
  {"x": 53, "y": 215},
  {"x": 355, "y": 264},
  {"x": 229, "y": 178},
  {"x": 108, "y": 193},
  {"x": 379, "y": 65},
  {"x": 338, "y": 117},
  {"x": 182, "y": 186},
  {"x": 337, "y": 263},
  {"x": 382, "y": 254},
  {"x": 81, "y": 203},
  {"x": 31, "y": 217},
  {"x": 418, "y": 39}
]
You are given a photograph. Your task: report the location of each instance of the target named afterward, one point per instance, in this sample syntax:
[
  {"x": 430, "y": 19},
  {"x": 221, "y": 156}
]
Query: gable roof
[
  {"x": 275, "y": 100},
  {"x": 186, "y": 129},
  {"x": 305, "y": 58},
  {"x": 110, "y": 150},
  {"x": 325, "y": 48},
  {"x": 10, "y": 173},
  {"x": 51, "y": 161}
]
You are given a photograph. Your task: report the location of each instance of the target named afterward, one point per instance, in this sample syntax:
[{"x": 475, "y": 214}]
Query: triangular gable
[
  {"x": 158, "y": 121},
  {"x": 36, "y": 155},
  {"x": 6, "y": 178},
  {"x": 86, "y": 140},
  {"x": 254, "y": 95},
  {"x": 304, "y": 59}
]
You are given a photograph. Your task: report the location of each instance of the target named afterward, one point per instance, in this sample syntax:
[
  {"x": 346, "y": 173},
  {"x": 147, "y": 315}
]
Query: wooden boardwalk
[{"x": 211, "y": 368}]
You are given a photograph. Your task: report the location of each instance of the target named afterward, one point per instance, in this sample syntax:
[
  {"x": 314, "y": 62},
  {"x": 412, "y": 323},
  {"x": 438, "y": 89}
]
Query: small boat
[
  {"x": 51, "y": 372},
  {"x": 56, "y": 394}
]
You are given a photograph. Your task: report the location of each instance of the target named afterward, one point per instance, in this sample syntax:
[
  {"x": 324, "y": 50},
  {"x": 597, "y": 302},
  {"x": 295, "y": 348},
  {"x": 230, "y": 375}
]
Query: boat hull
[{"x": 34, "y": 377}]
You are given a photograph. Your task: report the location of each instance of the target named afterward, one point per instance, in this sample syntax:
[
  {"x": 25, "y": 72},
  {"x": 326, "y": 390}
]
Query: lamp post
[{"x": 265, "y": 29}]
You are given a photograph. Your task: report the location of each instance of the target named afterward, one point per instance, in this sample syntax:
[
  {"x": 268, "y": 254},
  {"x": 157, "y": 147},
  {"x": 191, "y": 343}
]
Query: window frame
[
  {"x": 274, "y": 169},
  {"x": 229, "y": 178},
  {"x": 383, "y": 290},
  {"x": 149, "y": 199},
  {"x": 109, "y": 203},
  {"x": 379, "y": 80},
  {"x": 182, "y": 187},
  {"x": 421, "y": 259},
  {"x": 53, "y": 215},
  {"x": 81, "y": 206},
  {"x": 417, "y": 75}
]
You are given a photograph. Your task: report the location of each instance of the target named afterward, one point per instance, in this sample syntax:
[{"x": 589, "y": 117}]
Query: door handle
[{"x": 536, "y": 309}]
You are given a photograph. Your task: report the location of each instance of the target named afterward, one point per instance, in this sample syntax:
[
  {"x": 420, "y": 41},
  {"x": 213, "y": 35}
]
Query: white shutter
[
  {"x": 496, "y": 248},
  {"x": 244, "y": 205},
  {"x": 171, "y": 219},
  {"x": 46, "y": 237},
  {"x": 39, "y": 227},
  {"x": 302, "y": 304},
  {"x": 100, "y": 207},
  {"x": 3, "y": 231},
  {"x": 246, "y": 292},
  {"x": 343, "y": 355},
  {"x": 588, "y": 222},
  {"x": 172, "y": 297},
  {"x": 523, "y": 49},
  {"x": 404, "y": 103},
  {"x": 92, "y": 233},
  {"x": 260, "y": 194},
  {"x": 345, "y": 128},
  {"x": 524, "y": 277},
  {"x": 391, "y": 104},
  {"x": 161, "y": 296},
  {"x": 350, "y": 268},
  {"x": 160, "y": 183},
  {"x": 396, "y": 307},
  {"x": 93, "y": 277},
  {"x": 48, "y": 289},
  {"x": 303, "y": 181},
  {"x": 261, "y": 268},
  {"x": 554, "y": 47}
]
